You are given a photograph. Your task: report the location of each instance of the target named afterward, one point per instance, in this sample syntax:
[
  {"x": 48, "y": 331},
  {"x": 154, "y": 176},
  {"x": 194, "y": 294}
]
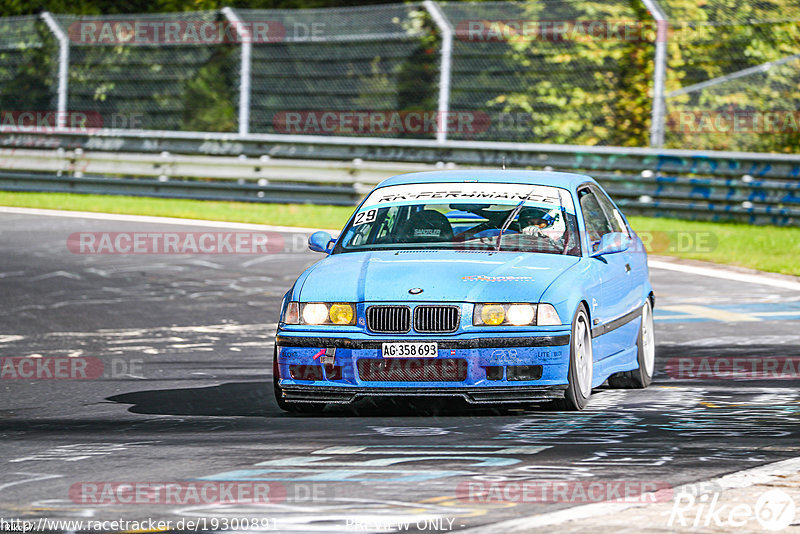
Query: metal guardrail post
[
  {"x": 446, "y": 28},
  {"x": 659, "y": 73},
  {"x": 63, "y": 67},
  {"x": 244, "y": 71}
]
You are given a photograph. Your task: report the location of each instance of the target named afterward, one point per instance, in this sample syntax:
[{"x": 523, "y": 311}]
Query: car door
[
  {"x": 613, "y": 299},
  {"x": 636, "y": 259}
]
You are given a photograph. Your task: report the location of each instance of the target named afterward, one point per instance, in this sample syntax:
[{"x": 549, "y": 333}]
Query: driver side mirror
[
  {"x": 321, "y": 242},
  {"x": 612, "y": 243}
]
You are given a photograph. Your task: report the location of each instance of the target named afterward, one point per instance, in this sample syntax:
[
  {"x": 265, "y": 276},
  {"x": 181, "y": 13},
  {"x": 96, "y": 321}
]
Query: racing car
[{"x": 522, "y": 287}]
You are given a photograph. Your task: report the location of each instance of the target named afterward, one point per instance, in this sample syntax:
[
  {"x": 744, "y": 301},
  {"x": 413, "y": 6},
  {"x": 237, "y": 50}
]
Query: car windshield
[{"x": 461, "y": 216}]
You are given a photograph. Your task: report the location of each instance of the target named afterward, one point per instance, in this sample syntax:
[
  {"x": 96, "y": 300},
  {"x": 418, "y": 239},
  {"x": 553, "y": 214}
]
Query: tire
[
  {"x": 642, "y": 376},
  {"x": 293, "y": 407},
  {"x": 581, "y": 365}
]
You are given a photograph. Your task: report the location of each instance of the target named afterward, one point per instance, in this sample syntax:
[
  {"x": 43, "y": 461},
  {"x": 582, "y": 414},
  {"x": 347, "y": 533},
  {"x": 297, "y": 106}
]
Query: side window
[
  {"x": 595, "y": 219},
  {"x": 614, "y": 216},
  {"x": 360, "y": 235}
]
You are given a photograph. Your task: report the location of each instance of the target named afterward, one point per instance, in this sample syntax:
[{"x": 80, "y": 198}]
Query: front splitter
[{"x": 485, "y": 395}]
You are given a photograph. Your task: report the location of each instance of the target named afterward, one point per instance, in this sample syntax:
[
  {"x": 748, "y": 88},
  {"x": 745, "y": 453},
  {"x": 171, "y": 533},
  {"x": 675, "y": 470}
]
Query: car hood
[{"x": 442, "y": 275}]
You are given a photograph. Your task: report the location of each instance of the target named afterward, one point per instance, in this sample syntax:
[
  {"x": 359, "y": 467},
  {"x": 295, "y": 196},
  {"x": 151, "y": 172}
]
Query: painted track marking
[
  {"x": 726, "y": 274},
  {"x": 740, "y": 479},
  {"x": 711, "y": 313},
  {"x": 155, "y": 220}
]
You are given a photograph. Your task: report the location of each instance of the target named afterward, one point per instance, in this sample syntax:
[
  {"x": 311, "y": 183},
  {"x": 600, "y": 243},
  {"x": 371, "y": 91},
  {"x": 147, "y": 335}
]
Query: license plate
[{"x": 410, "y": 350}]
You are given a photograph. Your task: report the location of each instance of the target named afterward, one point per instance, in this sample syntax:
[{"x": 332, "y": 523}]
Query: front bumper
[{"x": 477, "y": 369}]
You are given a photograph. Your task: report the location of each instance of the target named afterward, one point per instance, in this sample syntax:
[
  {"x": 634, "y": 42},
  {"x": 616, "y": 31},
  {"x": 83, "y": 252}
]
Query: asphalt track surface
[{"x": 185, "y": 396}]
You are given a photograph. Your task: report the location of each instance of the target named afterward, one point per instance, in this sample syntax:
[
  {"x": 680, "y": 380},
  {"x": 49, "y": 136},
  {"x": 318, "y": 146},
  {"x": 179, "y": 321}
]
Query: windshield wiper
[{"x": 511, "y": 216}]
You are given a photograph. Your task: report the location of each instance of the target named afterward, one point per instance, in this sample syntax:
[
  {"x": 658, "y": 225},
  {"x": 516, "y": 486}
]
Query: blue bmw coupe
[{"x": 491, "y": 286}]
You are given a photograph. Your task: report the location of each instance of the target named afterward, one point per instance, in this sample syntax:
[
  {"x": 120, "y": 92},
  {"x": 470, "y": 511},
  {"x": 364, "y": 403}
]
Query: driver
[
  {"x": 532, "y": 223},
  {"x": 536, "y": 224}
]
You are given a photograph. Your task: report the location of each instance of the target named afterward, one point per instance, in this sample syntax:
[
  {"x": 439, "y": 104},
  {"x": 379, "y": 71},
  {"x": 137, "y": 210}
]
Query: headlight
[
  {"x": 521, "y": 314},
  {"x": 517, "y": 314},
  {"x": 316, "y": 313}
]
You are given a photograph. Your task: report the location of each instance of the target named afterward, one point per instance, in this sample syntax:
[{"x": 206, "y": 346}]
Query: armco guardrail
[{"x": 752, "y": 187}]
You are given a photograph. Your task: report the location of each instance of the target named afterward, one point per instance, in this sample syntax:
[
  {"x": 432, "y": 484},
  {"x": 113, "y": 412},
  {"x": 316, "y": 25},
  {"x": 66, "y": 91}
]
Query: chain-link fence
[
  {"x": 554, "y": 71},
  {"x": 326, "y": 68},
  {"x": 150, "y": 81},
  {"x": 583, "y": 72},
  {"x": 733, "y": 78},
  {"x": 28, "y": 65}
]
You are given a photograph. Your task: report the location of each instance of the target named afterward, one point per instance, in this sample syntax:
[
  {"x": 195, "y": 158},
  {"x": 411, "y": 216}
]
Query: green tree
[{"x": 712, "y": 39}]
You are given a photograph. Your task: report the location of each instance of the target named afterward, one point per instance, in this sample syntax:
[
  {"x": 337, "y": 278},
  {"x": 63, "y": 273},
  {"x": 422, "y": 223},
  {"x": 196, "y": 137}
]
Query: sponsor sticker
[{"x": 484, "y": 278}]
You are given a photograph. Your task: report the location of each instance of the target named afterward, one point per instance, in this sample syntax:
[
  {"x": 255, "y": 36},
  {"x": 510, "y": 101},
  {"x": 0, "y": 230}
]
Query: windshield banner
[{"x": 470, "y": 192}]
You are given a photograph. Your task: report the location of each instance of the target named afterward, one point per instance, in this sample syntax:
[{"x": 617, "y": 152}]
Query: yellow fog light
[
  {"x": 341, "y": 314},
  {"x": 493, "y": 314},
  {"x": 315, "y": 313}
]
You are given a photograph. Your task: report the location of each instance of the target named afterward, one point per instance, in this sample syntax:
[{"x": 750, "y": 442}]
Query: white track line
[
  {"x": 739, "y": 479},
  {"x": 156, "y": 220},
  {"x": 724, "y": 274}
]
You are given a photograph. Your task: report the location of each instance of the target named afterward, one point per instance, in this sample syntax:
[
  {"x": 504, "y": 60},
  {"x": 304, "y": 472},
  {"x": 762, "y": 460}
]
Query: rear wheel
[
  {"x": 646, "y": 355},
  {"x": 300, "y": 407},
  {"x": 581, "y": 365}
]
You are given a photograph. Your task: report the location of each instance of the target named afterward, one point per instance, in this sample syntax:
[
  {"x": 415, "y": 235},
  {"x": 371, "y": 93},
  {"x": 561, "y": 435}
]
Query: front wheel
[
  {"x": 642, "y": 376},
  {"x": 301, "y": 407},
  {"x": 581, "y": 365}
]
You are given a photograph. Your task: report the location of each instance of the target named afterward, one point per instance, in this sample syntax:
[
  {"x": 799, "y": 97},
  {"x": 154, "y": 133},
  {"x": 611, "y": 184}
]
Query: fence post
[
  {"x": 63, "y": 67},
  {"x": 444, "y": 73},
  {"x": 659, "y": 73},
  {"x": 244, "y": 72}
]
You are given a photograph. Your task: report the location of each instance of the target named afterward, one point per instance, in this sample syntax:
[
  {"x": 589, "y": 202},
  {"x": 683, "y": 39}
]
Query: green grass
[
  {"x": 304, "y": 215},
  {"x": 766, "y": 248}
]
